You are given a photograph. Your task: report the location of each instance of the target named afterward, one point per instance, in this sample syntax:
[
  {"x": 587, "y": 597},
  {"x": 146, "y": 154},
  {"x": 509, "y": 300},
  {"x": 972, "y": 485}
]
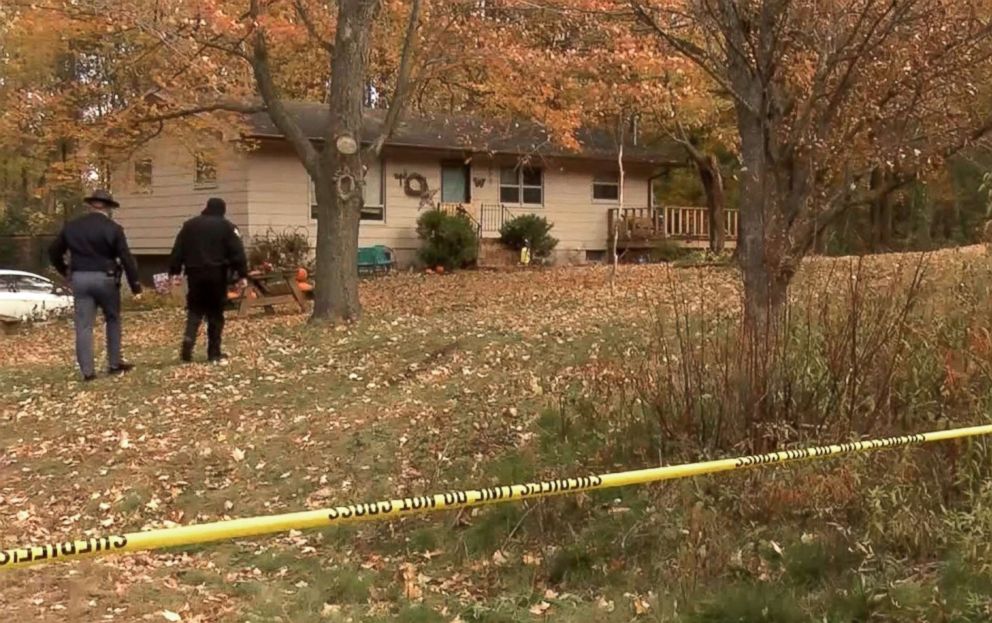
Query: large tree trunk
[
  {"x": 764, "y": 254},
  {"x": 339, "y": 181}
]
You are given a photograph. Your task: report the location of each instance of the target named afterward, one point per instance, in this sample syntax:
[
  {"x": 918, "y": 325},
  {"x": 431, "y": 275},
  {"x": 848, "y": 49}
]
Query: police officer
[
  {"x": 209, "y": 248},
  {"x": 98, "y": 252}
]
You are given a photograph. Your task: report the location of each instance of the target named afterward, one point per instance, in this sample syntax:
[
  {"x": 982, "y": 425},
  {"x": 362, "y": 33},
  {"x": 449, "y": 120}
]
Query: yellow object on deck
[{"x": 394, "y": 509}]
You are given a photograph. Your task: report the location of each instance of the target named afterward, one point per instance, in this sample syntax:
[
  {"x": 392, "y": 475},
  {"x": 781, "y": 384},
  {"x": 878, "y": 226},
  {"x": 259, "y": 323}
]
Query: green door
[{"x": 454, "y": 183}]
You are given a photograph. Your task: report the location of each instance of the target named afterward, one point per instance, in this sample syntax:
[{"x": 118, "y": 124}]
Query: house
[{"x": 493, "y": 171}]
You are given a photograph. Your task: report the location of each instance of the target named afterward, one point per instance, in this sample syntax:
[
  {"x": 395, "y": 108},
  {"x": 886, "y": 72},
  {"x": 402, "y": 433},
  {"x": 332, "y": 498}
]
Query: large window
[
  {"x": 606, "y": 188},
  {"x": 521, "y": 185},
  {"x": 205, "y": 171},
  {"x": 143, "y": 176},
  {"x": 374, "y": 207}
]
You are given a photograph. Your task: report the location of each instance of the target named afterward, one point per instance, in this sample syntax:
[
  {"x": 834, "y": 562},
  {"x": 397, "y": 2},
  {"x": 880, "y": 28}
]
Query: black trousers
[{"x": 205, "y": 300}]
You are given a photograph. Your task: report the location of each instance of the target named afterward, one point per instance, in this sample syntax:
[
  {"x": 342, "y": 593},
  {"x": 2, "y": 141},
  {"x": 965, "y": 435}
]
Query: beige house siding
[
  {"x": 279, "y": 197},
  {"x": 152, "y": 220},
  {"x": 580, "y": 222}
]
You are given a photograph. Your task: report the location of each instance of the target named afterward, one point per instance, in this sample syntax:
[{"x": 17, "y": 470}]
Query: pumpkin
[{"x": 301, "y": 274}]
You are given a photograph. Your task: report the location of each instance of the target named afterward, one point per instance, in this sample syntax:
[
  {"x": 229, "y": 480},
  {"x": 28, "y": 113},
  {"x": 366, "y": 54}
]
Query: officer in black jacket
[
  {"x": 209, "y": 248},
  {"x": 98, "y": 252}
]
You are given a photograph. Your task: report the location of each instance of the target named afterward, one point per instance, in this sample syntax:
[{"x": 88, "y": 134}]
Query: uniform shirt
[
  {"x": 208, "y": 242},
  {"x": 95, "y": 243}
]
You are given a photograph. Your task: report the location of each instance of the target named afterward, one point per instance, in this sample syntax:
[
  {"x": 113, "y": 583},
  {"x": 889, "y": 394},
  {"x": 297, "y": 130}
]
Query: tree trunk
[
  {"x": 616, "y": 221},
  {"x": 712, "y": 180},
  {"x": 763, "y": 253},
  {"x": 340, "y": 176}
]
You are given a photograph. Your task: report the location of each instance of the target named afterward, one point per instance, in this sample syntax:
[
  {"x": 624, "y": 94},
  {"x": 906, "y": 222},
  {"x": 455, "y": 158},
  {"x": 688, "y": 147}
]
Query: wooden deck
[{"x": 647, "y": 228}]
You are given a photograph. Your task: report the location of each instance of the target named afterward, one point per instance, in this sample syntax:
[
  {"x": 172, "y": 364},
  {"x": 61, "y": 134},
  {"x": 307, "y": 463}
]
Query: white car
[{"x": 26, "y": 296}]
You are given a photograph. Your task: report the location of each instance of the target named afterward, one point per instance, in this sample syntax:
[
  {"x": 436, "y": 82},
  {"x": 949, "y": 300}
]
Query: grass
[{"x": 479, "y": 379}]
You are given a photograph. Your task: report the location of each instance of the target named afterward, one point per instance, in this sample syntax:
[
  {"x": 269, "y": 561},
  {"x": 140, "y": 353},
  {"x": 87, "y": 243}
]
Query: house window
[
  {"x": 143, "y": 176},
  {"x": 521, "y": 185},
  {"x": 606, "y": 188},
  {"x": 205, "y": 175},
  {"x": 374, "y": 206}
]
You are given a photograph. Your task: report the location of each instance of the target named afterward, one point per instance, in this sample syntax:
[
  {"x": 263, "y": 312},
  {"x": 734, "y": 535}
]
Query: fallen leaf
[
  {"x": 238, "y": 454},
  {"x": 641, "y": 606},
  {"x": 531, "y": 560},
  {"x": 540, "y": 609},
  {"x": 605, "y": 604},
  {"x": 169, "y": 615}
]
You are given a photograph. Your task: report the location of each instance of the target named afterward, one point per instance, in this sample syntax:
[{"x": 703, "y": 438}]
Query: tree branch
[
  {"x": 245, "y": 108},
  {"x": 700, "y": 57},
  {"x": 311, "y": 26},
  {"x": 398, "y": 104},
  {"x": 262, "y": 68}
]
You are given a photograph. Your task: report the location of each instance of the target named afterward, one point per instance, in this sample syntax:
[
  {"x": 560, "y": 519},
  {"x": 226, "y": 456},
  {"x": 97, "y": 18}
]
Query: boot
[{"x": 186, "y": 352}]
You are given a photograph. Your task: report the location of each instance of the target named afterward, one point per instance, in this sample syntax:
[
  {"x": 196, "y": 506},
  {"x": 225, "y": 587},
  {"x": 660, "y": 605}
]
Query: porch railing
[
  {"x": 487, "y": 217},
  {"x": 680, "y": 223},
  {"x": 492, "y": 216},
  {"x": 693, "y": 223},
  {"x": 635, "y": 223}
]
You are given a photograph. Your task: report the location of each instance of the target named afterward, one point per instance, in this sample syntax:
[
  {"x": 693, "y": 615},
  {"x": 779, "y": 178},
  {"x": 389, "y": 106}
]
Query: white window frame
[
  {"x": 204, "y": 184},
  {"x": 521, "y": 187},
  {"x": 138, "y": 188},
  {"x": 600, "y": 180},
  {"x": 312, "y": 196}
]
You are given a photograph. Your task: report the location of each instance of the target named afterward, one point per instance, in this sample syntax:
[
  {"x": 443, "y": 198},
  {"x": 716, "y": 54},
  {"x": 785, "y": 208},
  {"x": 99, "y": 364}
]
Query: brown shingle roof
[{"x": 467, "y": 133}]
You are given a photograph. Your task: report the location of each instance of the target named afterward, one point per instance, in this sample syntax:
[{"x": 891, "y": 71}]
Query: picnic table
[{"x": 268, "y": 289}]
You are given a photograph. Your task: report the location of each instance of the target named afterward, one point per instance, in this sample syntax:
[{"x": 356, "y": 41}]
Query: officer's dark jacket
[
  {"x": 95, "y": 243},
  {"x": 208, "y": 242}
]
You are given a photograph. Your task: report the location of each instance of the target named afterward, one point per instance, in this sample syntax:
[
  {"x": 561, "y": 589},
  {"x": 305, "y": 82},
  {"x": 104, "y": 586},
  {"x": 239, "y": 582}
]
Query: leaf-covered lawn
[{"x": 444, "y": 378}]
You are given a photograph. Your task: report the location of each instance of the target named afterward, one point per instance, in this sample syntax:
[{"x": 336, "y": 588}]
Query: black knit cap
[{"x": 215, "y": 207}]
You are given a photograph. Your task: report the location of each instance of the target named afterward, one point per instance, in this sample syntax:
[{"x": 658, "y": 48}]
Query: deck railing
[
  {"x": 680, "y": 223},
  {"x": 635, "y": 223},
  {"x": 693, "y": 223}
]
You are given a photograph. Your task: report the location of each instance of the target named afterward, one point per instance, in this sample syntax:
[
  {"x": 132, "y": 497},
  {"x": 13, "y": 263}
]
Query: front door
[{"x": 455, "y": 186}]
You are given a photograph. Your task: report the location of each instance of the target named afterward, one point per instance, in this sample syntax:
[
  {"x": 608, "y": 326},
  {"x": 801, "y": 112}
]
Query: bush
[
  {"x": 529, "y": 228},
  {"x": 449, "y": 240},
  {"x": 279, "y": 250}
]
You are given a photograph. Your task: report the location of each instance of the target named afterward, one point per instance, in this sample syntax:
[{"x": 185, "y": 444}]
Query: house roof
[{"x": 473, "y": 134}]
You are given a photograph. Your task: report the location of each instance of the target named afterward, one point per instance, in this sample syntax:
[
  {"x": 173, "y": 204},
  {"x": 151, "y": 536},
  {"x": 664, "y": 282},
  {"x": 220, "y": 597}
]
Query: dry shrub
[
  {"x": 282, "y": 250},
  {"x": 866, "y": 349}
]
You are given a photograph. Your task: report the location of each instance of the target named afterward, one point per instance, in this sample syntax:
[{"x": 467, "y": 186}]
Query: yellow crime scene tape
[{"x": 392, "y": 509}]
